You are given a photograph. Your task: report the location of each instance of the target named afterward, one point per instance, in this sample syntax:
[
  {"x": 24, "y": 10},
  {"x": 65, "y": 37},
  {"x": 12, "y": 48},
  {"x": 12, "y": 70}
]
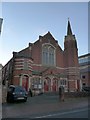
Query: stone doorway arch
[
  {"x": 54, "y": 84},
  {"x": 47, "y": 84}
]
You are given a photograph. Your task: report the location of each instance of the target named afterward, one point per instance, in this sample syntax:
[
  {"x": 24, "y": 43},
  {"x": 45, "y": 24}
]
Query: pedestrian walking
[
  {"x": 61, "y": 93},
  {"x": 30, "y": 92}
]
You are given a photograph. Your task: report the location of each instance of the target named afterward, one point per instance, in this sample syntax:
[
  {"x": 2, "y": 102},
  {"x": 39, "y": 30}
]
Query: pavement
[
  {"x": 0, "y": 101},
  {"x": 43, "y": 104}
]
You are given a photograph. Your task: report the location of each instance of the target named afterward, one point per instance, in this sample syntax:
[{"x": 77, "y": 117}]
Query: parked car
[
  {"x": 86, "y": 89},
  {"x": 16, "y": 93}
]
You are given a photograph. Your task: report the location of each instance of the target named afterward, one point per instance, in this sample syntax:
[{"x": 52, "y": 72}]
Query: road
[
  {"x": 48, "y": 107},
  {"x": 76, "y": 113}
]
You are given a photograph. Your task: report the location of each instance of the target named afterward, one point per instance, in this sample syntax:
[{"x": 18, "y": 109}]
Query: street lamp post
[{"x": 1, "y": 20}]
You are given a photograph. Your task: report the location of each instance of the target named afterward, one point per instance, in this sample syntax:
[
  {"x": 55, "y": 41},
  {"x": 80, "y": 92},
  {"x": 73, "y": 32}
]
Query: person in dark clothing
[
  {"x": 30, "y": 92},
  {"x": 61, "y": 93}
]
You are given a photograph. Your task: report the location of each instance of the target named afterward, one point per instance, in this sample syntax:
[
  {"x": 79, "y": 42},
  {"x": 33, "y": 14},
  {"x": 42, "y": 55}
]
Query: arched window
[{"x": 48, "y": 55}]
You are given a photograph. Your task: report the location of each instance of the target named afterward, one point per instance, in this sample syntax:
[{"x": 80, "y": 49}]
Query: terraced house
[
  {"x": 84, "y": 65},
  {"x": 44, "y": 66}
]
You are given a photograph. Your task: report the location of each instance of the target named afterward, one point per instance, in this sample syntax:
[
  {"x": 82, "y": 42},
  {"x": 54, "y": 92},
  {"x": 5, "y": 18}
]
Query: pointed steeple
[{"x": 69, "y": 31}]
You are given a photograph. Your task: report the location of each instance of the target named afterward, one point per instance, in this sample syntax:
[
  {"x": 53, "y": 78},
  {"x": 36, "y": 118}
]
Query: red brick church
[{"x": 44, "y": 66}]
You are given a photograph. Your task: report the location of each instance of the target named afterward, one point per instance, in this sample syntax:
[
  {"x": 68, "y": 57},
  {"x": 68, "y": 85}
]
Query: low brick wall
[
  {"x": 70, "y": 94},
  {"x": 77, "y": 94}
]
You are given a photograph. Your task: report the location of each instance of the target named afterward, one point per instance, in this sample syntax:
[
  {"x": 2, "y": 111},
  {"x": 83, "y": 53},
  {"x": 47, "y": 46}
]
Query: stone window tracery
[{"x": 48, "y": 55}]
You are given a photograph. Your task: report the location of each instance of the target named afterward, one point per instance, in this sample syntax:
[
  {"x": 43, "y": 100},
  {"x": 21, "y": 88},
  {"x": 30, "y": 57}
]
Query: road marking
[{"x": 63, "y": 113}]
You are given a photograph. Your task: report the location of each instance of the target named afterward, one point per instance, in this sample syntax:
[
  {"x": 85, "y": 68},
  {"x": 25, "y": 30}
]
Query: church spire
[{"x": 69, "y": 31}]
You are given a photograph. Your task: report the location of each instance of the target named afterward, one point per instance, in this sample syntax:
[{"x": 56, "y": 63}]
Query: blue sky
[{"x": 25, "y": 21}]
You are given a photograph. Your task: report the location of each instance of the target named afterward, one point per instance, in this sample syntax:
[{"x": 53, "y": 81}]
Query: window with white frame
[
  {"x": 48, "y": 55},
  {"x": 36, "y": 83},
  {"x": 84, "y": 59},
  {"x": 63, "y": 82}
]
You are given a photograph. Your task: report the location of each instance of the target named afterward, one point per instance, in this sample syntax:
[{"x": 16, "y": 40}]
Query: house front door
[{"x": 25, "y": 82}]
